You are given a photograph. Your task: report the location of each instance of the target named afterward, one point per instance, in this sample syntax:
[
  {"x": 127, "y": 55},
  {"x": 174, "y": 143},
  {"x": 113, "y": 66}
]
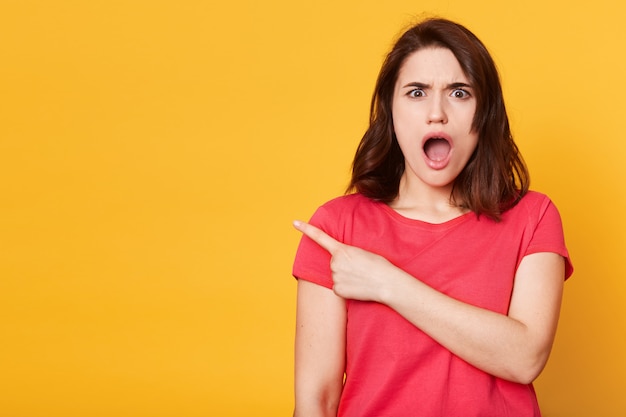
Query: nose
[{"x": 436, "y": 111}]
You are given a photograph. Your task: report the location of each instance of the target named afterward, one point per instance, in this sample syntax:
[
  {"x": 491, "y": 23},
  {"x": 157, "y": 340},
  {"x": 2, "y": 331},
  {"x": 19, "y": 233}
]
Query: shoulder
[
  {"x": 542, "y": 223},
  {"x": 347, "y": 203},
  {"x": 534, "y": 210},
  {"x": 345, "y": 208},
  {"x": 534, "y": 198},
  {"x": 339, "y": 216},
  {"x": 533, "y": 204},
  {"x": 536, "y": 214}
]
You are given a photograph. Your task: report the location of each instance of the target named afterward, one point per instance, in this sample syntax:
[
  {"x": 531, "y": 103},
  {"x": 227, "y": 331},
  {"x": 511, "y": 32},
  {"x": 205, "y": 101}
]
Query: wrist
[{"x": 394, "y": 286}]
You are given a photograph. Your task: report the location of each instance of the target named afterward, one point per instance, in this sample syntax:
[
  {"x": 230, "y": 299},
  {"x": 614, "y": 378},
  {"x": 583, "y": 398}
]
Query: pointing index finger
[{"x": 318, "y": 236}]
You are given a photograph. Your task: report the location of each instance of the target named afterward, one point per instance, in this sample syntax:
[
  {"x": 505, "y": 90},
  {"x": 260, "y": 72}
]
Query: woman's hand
[
  {"x": 357, "y": 273},
  {"x": 514, "y": 346}
]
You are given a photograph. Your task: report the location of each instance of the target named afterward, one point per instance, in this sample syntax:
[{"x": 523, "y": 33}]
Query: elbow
[
  {"x": 315, "y": 409},
  {"x": 525, "y": 376},
  {"x": 526, "y": 371},
  {"x": 320, "y": 402}
]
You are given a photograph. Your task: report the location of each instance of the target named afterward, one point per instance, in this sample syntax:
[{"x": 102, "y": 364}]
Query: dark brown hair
[{"x": 495, "y": 177}]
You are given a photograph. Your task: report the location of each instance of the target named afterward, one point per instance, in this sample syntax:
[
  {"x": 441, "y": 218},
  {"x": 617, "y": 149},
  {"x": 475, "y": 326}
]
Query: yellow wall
[{"x": 153, "y": 154}]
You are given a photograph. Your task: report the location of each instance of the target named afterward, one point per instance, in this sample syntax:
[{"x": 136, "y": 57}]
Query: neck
[{"x": 422, "y": 202}]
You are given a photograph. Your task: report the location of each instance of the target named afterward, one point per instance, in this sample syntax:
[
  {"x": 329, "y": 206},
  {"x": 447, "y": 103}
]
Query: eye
[
  {"x": 418, "y": 92},
  {"x": 460, "y": 93}
]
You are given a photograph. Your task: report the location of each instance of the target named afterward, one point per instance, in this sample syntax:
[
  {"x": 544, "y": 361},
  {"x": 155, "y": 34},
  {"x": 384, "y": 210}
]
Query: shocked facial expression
[{"x": 433, "y": 109}]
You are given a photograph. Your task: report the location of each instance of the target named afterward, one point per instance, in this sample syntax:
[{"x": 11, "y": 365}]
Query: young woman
[{"x": 434, "y": 289}]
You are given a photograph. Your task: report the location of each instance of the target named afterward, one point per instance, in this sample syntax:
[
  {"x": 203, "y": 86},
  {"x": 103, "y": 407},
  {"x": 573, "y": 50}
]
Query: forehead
[{"x": 430, "y": 65}]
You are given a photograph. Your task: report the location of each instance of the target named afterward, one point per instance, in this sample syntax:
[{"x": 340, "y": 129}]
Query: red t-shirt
[{"x": 392, "y": 367}]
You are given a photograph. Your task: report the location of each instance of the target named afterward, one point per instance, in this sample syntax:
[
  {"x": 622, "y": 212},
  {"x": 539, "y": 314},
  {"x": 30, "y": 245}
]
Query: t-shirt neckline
[{"x": 424, "y": 224}]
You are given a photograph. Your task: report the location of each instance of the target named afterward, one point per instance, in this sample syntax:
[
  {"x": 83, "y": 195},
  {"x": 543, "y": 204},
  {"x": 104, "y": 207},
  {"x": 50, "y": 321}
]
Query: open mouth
[{"x": 437, "y": 149}]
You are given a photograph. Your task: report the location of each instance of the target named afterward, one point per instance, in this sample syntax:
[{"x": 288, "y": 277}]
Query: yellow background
[{"x": 154, "y": 153}]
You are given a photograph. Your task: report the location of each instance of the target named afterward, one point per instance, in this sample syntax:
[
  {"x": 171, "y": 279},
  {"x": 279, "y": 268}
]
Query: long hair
[{"x": 495, "y": 178}]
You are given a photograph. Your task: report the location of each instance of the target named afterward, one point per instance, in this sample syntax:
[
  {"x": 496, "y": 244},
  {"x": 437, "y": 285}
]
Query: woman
[{"x": 435, "y": 288}]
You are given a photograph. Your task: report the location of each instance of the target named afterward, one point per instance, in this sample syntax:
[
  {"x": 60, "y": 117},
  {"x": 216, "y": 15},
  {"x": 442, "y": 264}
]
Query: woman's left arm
[{"x": 515, "y": 346}]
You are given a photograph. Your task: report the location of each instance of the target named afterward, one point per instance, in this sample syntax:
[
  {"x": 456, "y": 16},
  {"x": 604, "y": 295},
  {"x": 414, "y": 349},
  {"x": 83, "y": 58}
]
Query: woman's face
[{"x": 433, "y": 109}]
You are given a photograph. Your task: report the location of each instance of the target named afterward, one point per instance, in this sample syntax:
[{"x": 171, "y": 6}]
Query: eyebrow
[{"x": 449, "y": 86}]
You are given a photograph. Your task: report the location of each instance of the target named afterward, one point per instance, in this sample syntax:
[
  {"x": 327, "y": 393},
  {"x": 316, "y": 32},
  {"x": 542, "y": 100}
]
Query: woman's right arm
[{"x": 320, "y": 350}]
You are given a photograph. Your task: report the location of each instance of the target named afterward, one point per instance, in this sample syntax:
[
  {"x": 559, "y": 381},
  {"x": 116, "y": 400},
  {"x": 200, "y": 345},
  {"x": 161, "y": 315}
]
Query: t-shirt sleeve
[
  {"x": 312, "y": 262},
  {"x": 548, "y": 235}
]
